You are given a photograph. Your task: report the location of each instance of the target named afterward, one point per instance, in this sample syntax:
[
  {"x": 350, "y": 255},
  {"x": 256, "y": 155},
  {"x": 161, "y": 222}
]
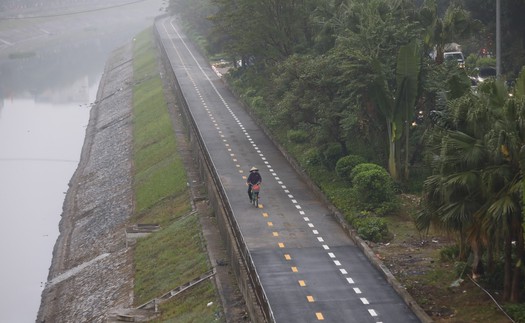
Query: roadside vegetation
[
  {"x": 176, "y": 254},
  {"x": 424, "y": 166}
]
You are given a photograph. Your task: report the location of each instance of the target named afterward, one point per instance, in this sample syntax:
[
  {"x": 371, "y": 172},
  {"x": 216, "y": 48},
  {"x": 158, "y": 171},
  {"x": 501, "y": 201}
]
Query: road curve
[{"x": 309, "y": 269}]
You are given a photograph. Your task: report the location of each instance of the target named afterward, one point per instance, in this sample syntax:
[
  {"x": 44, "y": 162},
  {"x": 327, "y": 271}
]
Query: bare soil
[{"x": 414, "y": 259}]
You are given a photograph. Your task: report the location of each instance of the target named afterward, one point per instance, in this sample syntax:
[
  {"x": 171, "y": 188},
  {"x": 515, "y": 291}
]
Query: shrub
[
  {"x": 346, "y": 164},
  {"x": 364, "y": 167},
  {"x": 297, "y": 136},
  {"x": 312, "y": 157},
  {"x": 449, "y": 253},
  {"x": 516, "y": 311},
  {"x": 373, "y": 185},
  {"x": 331, "y": 155},
  {"x": 372, "y": 228}
]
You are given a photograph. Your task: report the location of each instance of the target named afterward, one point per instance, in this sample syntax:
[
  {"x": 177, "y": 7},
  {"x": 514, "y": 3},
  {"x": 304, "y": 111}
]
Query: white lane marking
[
  {"x": 343, "y": 271},
  {"x": 307, "y": 219},
  {"x": 372, "y": 312},
  {"x": 337, "y": 263},
  {"x": 294, "y": 201},
  {"x": 320, "y": 239},
  {"x": 357, "y": 290},
  {"x": 311, "y": 225},
  {"x": 364, "y": 300},
  {"x": 350, "y": 280},
  {"x": 315, "y": 231},
  {"x": 331, "y": 254},
  {"x": 298, "y": 207}
]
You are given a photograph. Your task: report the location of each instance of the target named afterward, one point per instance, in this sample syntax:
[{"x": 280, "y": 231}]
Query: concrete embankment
[{"x": 91, "y": 271}]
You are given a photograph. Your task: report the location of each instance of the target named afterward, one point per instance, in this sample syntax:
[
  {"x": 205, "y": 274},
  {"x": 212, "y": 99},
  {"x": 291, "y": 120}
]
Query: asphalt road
[{"x": 309, "y": 268}]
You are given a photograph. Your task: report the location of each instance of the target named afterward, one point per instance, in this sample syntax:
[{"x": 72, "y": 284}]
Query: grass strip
[{"x": 176, "y": 254}]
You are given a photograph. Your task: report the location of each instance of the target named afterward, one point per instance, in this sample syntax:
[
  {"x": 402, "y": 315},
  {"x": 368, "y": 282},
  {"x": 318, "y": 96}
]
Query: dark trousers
[{"x": 250, "y": 191}]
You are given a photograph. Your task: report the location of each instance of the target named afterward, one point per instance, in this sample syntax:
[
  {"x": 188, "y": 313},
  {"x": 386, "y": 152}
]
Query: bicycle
[{"x": 255, "y": 194}]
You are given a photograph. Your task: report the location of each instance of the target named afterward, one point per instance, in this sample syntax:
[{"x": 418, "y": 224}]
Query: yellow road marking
[
  {"x": 265, "y": 214},
  {"x": 287, "y": 257},
  {"x": 260, "y": 206},
  {"x": 241, "y": 171},
  {"x": 320, "y": 316},
  {"x": 294, "y": 269},
  {"x": 276, "y": 234},
  {"x": 281, "y": 245},
  {"x": 243, "y": 177},
  {"x": 270, "y": 224},
  {"x": 302, "y": 283},
  {"x": 310, "y": 298}
]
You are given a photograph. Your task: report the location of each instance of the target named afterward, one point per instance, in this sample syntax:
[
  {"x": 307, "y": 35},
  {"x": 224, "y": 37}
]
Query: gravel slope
[{"x": 91, "y": 272}]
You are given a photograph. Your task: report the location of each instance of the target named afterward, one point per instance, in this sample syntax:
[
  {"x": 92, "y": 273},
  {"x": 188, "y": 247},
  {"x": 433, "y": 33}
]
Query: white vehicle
[{"x": 455, "y": 56}]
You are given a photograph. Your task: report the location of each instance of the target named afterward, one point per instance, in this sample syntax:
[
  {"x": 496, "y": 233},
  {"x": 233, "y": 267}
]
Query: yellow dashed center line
[
  {"x": 294, "y": 269},
  {"x": 270, "y": 224},
  {"x": 302, "y": 283},
  {"x": 265, "y": 214},
  {"x": 319, "y": 316},
  {"x": 275, "y": 234},
  {"x": 287, "y": 257},
  {"x": 281, "y": 245},
  {"x": 310, "y": 298}
]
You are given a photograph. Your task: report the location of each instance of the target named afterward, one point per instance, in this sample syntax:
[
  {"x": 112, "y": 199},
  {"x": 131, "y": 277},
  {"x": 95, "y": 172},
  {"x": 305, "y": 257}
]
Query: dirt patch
[{"x": 414, "y": 259}]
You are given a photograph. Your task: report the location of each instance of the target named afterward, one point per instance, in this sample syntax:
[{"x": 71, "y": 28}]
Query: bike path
[{"x": 309, "y": 268}]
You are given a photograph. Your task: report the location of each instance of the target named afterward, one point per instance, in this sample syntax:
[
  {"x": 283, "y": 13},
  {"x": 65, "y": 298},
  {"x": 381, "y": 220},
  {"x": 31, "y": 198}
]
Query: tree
[
  {"x": 475, "y": 189},
  {"x": 398, "y": 109},
  {"x": 456, "y": 24},
  {"x": 266, "y": 31},
  {"x": 512, "y": 27}
]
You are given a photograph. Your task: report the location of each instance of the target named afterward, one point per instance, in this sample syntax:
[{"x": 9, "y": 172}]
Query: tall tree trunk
[
  {"x": 490, "y": 258},
  {"x": 507, "y": 278},
  {"x": 518, "y": 268},
  {"x": 392, "y": 167},
  {"x": 406, "y": 174},
  {"x": 477, "y": 264}
]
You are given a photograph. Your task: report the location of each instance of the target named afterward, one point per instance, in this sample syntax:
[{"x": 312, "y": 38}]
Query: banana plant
[{"x": 398, "y": 108}]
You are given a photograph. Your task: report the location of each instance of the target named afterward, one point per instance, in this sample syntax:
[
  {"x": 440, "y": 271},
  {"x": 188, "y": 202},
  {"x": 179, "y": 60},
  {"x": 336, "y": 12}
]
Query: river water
[
  {"x": 46, "y": 92},
  {"x": 40, "y": 146}
]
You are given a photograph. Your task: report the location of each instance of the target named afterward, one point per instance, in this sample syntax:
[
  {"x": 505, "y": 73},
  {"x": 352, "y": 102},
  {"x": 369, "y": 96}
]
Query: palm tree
[
  {"x": 456, "y": 24},
  {"x": 476, "y": 189}
]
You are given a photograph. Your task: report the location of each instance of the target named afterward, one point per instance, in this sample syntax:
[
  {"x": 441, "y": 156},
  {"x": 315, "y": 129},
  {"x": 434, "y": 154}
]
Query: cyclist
[{"x": 253, "y": 179}]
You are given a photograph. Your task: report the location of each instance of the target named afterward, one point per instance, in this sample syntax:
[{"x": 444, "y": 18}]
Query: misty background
[{"x": 52, "y": 57}]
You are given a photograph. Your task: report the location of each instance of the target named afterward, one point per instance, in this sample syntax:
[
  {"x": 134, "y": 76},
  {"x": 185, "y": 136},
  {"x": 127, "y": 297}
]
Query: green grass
[
  {"x": 169, "y": 259},
  {"x": 176, "y": 254}
]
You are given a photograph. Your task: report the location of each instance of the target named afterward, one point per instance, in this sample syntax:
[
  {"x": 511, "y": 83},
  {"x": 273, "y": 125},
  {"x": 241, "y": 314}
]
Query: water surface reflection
[
  {"x": 49, "y": 75},
  {"x": 39, "y": 151}
]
